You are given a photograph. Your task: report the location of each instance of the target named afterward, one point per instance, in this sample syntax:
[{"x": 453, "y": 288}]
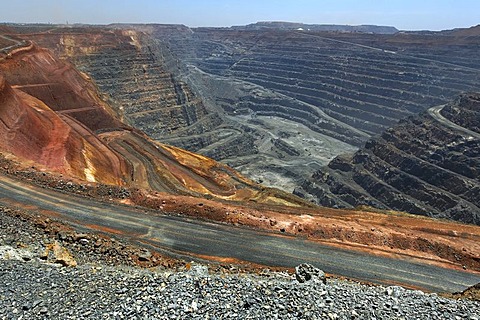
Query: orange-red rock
[
  {"x": 59, "y": 85},
  {"x": 31, "y": 131}
]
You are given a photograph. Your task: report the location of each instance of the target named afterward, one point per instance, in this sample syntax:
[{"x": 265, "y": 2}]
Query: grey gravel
[{"x": 35, "y": 289}]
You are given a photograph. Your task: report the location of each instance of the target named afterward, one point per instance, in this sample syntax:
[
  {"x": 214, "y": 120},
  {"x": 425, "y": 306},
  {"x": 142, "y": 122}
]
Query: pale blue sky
[{"x": 403, "y": 14}]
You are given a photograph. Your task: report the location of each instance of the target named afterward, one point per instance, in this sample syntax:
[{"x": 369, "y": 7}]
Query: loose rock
[{"x": 306, "y": 272}]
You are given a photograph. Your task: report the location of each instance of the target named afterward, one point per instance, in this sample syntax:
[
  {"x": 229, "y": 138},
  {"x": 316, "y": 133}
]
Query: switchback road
[
  {"x": 435, "y": 113},
  {"x": 185, "y": 237}
]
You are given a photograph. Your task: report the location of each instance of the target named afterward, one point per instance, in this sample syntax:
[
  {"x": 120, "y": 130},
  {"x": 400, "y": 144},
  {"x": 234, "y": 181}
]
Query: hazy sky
[{"x": 403, "y": 14}]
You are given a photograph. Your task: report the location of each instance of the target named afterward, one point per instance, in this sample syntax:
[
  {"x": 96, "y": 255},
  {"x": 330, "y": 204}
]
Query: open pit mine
[{"x": 191, "y": 141}]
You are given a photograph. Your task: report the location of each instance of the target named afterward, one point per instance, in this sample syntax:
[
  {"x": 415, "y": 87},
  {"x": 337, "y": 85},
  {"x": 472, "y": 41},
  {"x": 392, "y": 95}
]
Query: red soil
[{"x": 59, "y": 85}]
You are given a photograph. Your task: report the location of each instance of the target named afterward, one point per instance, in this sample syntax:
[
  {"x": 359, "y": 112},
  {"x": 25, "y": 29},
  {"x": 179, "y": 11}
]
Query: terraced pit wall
[
  {"x": 428, "y": 165},
  {"x": 276, "y": 105},
  {"x": 348, "y": 87}
]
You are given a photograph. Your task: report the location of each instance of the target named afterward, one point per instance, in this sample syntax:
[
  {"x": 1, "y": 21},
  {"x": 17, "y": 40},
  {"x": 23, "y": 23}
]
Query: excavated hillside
[
  {"x": 52, "y": 116},
  {"x": 305, "y": 96},
  {"x": 275, "y": 104},
  {"x": 282, "y": 25},
  {"x": 428, "y": 164}
]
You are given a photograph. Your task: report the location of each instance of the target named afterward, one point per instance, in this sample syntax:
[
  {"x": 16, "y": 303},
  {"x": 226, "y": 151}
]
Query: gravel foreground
[
  {"x": 106, "y": 284},
  {"x": 35, "y": 290}
]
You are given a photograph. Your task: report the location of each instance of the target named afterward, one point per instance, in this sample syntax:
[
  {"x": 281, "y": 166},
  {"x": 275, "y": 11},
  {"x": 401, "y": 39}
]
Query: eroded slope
[
  {"x": 32, "y": 131},
  {"x": 143, "y": 77},
  {"x": 346, "y": 86},
  {"x": 128, "y": 66},
  {"x": 152, "y": 167},
  {"x": 275, "y": 104},
  {"x": 366, "y": 81}
]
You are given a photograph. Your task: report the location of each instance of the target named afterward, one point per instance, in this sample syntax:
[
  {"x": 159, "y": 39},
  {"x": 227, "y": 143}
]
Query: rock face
[
  {"x": 428, "y": 165},
  {"x": 131, "y": 68},
  {"x": 272, "y": 101},
  {"x": 313, "y": 85}
]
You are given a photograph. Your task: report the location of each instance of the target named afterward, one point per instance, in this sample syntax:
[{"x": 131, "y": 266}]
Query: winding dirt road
[
  {"x": 189, "y": 238},
  {"x": 18, "y": 43}
]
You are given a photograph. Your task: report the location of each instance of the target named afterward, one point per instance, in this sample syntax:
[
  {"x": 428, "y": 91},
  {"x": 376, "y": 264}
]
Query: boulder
[{"x": 306, "y": 272}]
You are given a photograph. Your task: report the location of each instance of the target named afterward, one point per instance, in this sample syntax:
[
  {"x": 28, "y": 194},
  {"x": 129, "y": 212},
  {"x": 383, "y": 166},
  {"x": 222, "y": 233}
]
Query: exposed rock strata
[
  {"x": 426, "y": 165},
  {"x": 131, "y": 68},
  {"x": 277, "y": 110},
  {"x": 366, "y": 81}
]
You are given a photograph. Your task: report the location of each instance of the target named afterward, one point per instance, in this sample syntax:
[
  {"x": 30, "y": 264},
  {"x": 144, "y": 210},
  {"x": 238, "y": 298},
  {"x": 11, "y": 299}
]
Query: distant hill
[
  {"x": 465, "y": 32},
  {"x": 317, "y": 27}
]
